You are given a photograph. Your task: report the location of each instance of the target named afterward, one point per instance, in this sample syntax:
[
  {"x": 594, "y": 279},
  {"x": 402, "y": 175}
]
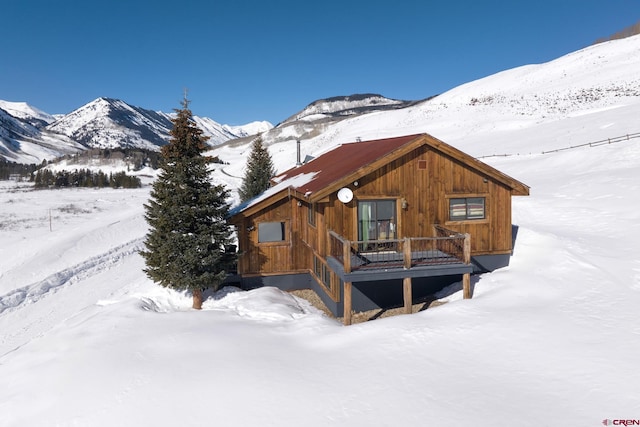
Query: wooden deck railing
[{"x": 447, "y": 247}]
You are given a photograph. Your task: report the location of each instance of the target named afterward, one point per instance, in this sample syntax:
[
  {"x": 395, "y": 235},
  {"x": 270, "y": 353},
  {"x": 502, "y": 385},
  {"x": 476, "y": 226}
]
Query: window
[
  {"x": 322, "y": 272},
  {"x": 312, "y": 214},
  {"x": 376, "y": 219},
  {"x": 271, "y": 232},
  {"x": 466, "y": 208}
]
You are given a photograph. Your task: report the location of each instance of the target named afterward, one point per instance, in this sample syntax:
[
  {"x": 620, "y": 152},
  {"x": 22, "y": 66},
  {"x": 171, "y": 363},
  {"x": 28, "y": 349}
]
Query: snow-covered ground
[{"x": 86, "y": 339}]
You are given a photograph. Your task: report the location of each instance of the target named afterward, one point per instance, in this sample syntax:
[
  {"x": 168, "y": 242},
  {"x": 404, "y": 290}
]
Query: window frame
[
  {"x": 285, "y": 235},
  {"x": 312, "y": 215},
  {"x": 392, "y": 223},
  {"x": 468, "y": 206}
]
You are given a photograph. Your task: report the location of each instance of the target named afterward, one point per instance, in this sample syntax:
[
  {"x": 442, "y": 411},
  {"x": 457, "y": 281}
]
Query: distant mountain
[
  {"x": 339, "y": 107},
  {"x": 111, "y": 123},
  {"x": 29, "y": 135},
  {"x": 320, "y": 115},
  {"x": 218, "y": 133},
  {"x": 27, "y": 113},
  {"x": 22, "y": 141}
]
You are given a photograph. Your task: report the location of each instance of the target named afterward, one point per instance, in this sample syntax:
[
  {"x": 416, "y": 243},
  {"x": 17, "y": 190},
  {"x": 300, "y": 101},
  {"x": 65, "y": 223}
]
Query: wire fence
[{"x": 613, "y": 140}]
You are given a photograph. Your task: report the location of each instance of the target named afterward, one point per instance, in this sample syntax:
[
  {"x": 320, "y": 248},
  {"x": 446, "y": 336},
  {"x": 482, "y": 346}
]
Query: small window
[
  {"x": 466, "y": 208},
  {"x": 322, "y": 272},
  {"x": 312, "y": 214},
  {"x": 271, "y": 232}
]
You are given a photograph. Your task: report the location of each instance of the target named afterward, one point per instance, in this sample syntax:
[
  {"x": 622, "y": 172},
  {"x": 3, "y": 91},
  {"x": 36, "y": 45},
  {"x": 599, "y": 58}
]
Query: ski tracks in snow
[
  {"x": 36, "y": 323},
  {"x": 34, "y": 292}
]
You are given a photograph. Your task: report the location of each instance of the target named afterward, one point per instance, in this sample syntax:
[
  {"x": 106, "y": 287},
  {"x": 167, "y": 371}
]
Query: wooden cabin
[{"x": 373, "y": 224}]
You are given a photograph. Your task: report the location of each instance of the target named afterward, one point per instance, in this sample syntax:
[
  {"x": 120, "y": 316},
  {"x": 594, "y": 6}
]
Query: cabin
[{"x": 375, "y": 224}]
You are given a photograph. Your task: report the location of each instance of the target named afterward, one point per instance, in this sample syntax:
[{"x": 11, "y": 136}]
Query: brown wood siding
[
  {"x": 425, "y": 177},
  {"x": 427, "y": 192},
  {"x": 272, "y": 256}
]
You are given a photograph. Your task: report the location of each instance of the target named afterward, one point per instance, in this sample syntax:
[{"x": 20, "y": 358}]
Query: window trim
[
  {"x": 466, "y": 218},
  {"x": 393, "y": 220},
  {"x": 312, "y": 215},
  {"x": 285, "y": 232}
]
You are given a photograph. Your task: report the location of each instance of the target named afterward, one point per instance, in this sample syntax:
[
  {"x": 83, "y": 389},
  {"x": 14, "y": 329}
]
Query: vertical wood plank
[
  {"x": 408, "y": 297},
  {"x": 346, "y": 319}
]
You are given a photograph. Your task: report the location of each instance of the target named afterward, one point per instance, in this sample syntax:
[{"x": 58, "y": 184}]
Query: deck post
[
  {"x": 406, "y": 253},
  {"x": 346, "y": 255},
  {"x": 346, "y": 319},
  {"x": 466, "y": 286},
  {"x": 408, "y": 298},
  {"x": 466, "y": 278}
]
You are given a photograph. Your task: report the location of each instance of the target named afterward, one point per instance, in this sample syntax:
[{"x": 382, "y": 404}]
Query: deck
[
  {"x": 355, "y": 261},
  {"x": 447, "y": 253}
]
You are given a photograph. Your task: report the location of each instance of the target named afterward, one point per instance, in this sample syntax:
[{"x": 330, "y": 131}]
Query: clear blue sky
[{"x": 252, "y": 60}]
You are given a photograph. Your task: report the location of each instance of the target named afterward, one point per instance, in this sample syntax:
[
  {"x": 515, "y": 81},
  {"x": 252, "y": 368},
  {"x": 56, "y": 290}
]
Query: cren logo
[{"x": 618, "y": 422}]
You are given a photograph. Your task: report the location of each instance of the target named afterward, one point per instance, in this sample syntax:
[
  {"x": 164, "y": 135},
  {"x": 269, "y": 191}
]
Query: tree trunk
[{"x": 197, "y": 299}]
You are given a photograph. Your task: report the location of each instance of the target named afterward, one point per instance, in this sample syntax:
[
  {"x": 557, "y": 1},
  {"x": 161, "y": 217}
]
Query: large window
[
  {"x": 376, "y": 219},
  {"x": 466, "y": 208},
  {"x": 271, "y": 232}
]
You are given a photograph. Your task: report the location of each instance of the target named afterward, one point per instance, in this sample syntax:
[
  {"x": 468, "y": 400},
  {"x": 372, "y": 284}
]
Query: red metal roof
[{"x": 342, "y": 161}]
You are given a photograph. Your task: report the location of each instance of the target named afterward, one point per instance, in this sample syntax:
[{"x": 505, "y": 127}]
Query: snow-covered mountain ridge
[
  {"x": 102, "y": 123},
  {"x": 343, "y": 106},
  {"x": 110, "y": 123},
  {"x": 27, "y": 113}
]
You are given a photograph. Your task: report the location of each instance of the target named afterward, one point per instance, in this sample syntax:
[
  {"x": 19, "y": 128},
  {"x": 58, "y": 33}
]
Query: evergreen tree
[
  {"x": 188, "y": 236},
  {"x": 259, "y": 171}
]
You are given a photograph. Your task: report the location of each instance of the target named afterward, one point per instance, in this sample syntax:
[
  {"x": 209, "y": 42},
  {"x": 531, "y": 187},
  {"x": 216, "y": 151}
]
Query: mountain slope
[
  {"x": 110, "y": 123},
  {"x": 478, "y": 117},
  {"x": 27, "y": 113},
  {"x": 320, "y": 116},
  {"x": 22, "y": 142}
]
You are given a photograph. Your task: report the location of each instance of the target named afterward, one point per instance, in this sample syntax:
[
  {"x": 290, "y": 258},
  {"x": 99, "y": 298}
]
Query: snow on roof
[{"x": 293, "y": 182}]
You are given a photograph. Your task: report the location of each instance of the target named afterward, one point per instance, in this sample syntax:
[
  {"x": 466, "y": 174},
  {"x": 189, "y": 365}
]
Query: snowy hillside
[
  {"x": 86, "y": 339},
  {"x": 321, "y": 116},
  {"x": 27, "y": 113},
  {"x": 341, "y": 106},
  {"x": 586, "y": 89},
  {"x": 24, "y": 142}
]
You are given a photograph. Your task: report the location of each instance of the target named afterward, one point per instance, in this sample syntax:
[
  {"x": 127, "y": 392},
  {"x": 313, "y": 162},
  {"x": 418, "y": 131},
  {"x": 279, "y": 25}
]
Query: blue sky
[{"x": 265, "y": 60}]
